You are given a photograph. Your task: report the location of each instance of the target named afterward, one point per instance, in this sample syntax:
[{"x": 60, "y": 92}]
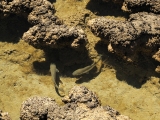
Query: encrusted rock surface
[
  {"x": 47, "y": 29},
  {"x": 140, "y": 33},
  {"x": 157, "y": 69},
  {"x": 82, "y": 95},
  {"x": 156, "y": 56},
  {"x": 138, "y": 5},
  {"x": 37, "y": 108},
  {"x": 124, "y": 32},
  {"x": 80, "y": 104},
  {"x": 4, "y": 115},
  {"x": 141, "y": 5}
]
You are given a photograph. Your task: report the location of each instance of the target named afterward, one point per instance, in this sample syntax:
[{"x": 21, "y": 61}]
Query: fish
[
  {"x": 86, "y": 69},
  {"x": 54, "y": 72}
]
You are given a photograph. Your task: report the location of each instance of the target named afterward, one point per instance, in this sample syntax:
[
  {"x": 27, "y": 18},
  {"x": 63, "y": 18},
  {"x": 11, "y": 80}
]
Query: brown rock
[
  {"x": 80, "y": 104},
  {"x": 141, "y": 5},
  {"x": 47, "y": 30},
  {"x": 140, "y": 33},
  {"x": 4, "y": 116}
]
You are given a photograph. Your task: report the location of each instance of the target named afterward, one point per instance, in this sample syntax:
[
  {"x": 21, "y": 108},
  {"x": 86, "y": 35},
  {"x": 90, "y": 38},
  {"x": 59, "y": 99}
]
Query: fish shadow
[{"x": 87, "y": 77}]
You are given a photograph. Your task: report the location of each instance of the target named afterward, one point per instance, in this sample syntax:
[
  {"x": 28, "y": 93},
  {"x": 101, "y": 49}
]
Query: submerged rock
[
  {"x": 79, "y": 104},
  {"x": 156, "y": 56},
  {"x": 141, "y": 5},
  {"x": 4, "y": 115},
  {"x": 47, "y": 30},
  {"x": 80, "y": 94},
  {"x": 37, "y": 108},
  {"x": 138, "y": 5},
  {"x": 140, "y": 33}
]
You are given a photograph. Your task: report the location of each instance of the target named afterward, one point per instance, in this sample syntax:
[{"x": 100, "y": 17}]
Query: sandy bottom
[
  {"x": 17, "y": 84},
  {"x": 19, "y": 81}
]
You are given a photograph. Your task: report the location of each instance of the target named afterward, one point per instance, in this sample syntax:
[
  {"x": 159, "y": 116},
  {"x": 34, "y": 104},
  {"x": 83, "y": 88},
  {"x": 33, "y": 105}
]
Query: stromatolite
[
  {"x": 140, "y": 33},
  {"x": 79, "y": 104},
  {"x": 47, "y": 30}
]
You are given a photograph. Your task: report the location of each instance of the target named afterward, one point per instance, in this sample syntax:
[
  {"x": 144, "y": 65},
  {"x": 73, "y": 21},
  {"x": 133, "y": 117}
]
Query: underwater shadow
[
  {"x": 52, "y": 1},
  {"x": 133, "y": 74},
  {"x": 87, "y": 77},
  {"x": 101, "y": 8},
  {"x": 41, "y": 68},
  {"x": 12, "y": 28},
  {"x": 67, "y": 59}
]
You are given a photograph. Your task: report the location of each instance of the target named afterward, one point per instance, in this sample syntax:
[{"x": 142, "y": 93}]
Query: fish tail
[{"x": 60, "y": 89}]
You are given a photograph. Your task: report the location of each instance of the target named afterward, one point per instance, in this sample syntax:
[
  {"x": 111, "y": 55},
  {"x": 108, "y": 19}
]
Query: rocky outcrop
[
  {"x": 38, "y": 108},
  {"x": 79, "y": 104},
  {"x": 138, "y": 5},
  {"x": 80, "y": 94},
  {"x": 47, "y": 30},
  {"x": 4, "y": 116},
  {"x": 141, "y": 5},
  {"x": 140, "y": 33}
]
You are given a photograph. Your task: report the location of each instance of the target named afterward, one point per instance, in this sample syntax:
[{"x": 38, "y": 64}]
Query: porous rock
[
  {"x": 82, "y": 95},
  {"x": 141, "y": 5},
  {"x": 134, "y": 6},
  {"x": 140, "y": 33},
  {"x": 37, "y": 108},
  {"x": 157, "y": 69},
  {"x": 47, "y": 30},
  {"x": 124, "y": 32},
  {"x": 80, "y": 104},
  {"x": 4, "y": 115},
  {"x": 156, "y": 56}
]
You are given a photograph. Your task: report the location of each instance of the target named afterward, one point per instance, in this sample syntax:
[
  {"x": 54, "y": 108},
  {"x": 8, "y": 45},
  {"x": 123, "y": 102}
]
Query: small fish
[
  {"x": 86, "y": 69},
  {"x": 54, "y": 71}
]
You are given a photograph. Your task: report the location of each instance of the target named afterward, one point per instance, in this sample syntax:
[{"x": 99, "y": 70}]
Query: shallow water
[
  {"x": 17, "y": 85},
  {"x": 114, "y": 85}
]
